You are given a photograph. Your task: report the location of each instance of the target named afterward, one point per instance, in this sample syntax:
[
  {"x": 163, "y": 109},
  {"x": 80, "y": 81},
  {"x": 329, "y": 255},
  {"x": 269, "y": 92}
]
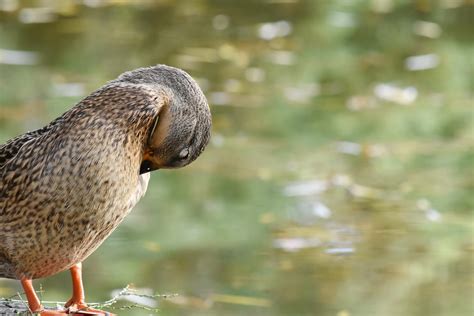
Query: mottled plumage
[{"x": 65, "y": 187}]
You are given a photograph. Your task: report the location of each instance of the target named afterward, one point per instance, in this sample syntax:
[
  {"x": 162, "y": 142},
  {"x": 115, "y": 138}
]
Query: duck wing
[{"x": 12, "y": 146}]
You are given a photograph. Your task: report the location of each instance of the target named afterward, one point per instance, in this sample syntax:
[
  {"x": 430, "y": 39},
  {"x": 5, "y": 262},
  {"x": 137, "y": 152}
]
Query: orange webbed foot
[
  {"x": 87, "y": 311},
  {"x": 81, "y": 308},
  {"x": 91, "y": 311},
  {"x": 77, "y": 305},
  {"x": 82, "y": 312},
  {"x": 53, "y": 313}
]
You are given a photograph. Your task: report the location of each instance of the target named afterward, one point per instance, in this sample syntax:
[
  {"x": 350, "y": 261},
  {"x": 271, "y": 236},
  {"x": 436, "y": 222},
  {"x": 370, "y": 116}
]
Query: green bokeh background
[{"x": 386, "y": 224}]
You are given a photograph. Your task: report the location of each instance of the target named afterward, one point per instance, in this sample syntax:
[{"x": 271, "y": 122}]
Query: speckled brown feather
[
  {"x": 67, "y": 186},
  {"x": 11, "y": 148}
]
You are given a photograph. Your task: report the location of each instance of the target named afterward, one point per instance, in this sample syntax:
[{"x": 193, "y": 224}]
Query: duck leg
[
  {"x": 77, "y": 300},
  {"x": 33, "y": 300},
  {"x": 34, "y": 303},
  {"x": 77, "y": 304}
]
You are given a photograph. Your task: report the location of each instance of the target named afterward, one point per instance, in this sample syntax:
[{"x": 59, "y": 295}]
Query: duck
[{"x": 67, "y": 186}]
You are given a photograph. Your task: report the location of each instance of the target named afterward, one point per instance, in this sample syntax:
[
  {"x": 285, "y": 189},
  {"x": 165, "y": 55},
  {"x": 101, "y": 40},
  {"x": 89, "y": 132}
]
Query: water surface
[{"x": 339, "y": 176}]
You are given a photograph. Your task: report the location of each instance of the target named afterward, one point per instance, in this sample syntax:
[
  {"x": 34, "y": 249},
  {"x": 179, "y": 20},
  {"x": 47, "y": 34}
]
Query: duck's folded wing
[{"x": 11, "y": 147}]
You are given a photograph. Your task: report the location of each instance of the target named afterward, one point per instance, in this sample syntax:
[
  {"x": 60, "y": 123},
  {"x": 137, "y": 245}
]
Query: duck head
[{"x": 181, "y": 131}]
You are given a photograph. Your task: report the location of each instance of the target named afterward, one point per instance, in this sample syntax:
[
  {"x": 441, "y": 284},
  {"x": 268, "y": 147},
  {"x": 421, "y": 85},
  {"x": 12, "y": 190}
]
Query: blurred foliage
[{"x": 339, "y": 178}]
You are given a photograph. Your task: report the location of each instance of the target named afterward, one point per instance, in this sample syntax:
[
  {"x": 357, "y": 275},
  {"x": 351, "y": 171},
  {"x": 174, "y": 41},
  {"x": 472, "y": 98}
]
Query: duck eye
[{"x": 184, "y": 153}]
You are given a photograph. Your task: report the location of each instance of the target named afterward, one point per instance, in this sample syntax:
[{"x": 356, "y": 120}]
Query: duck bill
[
  {"x": 147, "y": 166},
  {"x": 149, "y": 163}
]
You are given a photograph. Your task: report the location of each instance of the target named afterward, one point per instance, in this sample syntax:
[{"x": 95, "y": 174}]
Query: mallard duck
[{"x": 65, "y": 187}]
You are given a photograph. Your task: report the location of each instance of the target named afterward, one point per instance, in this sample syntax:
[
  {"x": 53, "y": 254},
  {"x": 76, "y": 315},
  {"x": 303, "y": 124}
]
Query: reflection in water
[
  {"x": 18, "y": 57},
  {"x": 339, "y": 176}
]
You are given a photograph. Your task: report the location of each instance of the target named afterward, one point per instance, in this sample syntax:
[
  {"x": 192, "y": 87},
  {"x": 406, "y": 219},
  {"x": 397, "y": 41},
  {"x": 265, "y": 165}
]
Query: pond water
[{"x": 339, "y": 176}]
